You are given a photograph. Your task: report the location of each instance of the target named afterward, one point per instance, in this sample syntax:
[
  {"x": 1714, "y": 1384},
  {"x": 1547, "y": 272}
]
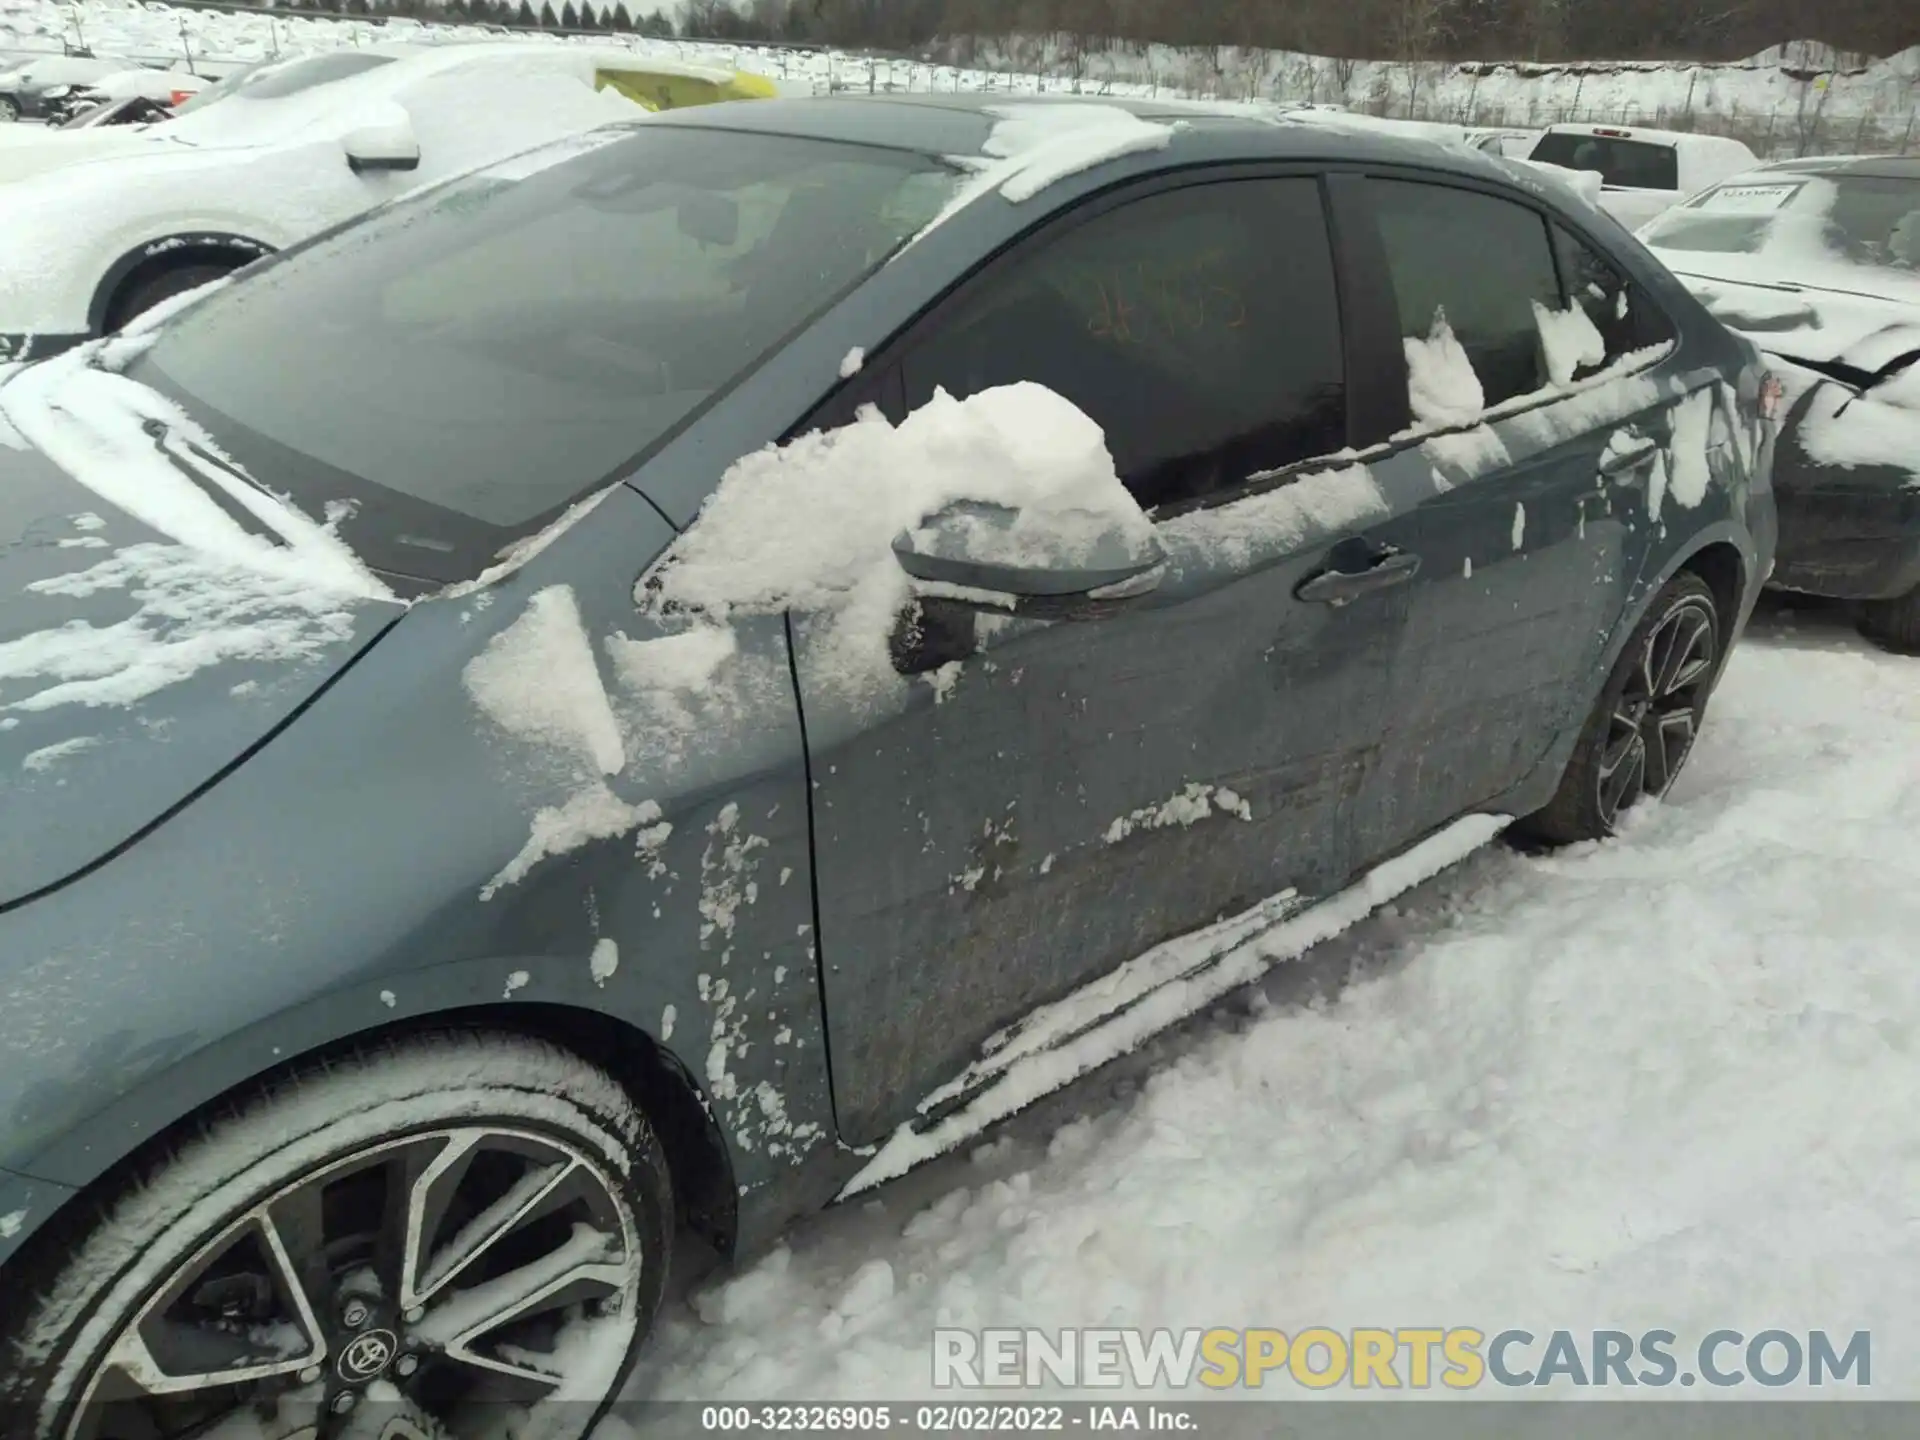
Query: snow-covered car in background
[
  {"x": 103, "y": 224},
  {"x": 26, "y": 89},
  {"x": 491, "y": 692},
  {"x": 1818, "y": 262},
  {"x": 1643, "y": 172},
  {"x": 1511, "y": 144},
  {"x": 145, "y": 94}
]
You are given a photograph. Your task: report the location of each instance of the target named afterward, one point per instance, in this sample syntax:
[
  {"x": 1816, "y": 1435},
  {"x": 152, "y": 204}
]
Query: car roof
[
  {"x": 959, "y": 126},
  {"x": 1882, "y": 167}
]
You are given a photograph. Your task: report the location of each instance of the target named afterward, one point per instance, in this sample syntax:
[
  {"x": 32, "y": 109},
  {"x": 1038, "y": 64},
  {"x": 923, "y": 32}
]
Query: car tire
[
  {"x": 1642, "y": 728},
  {"x": 9, "y": 109},
  {"x": 143, "y": 296},
  {"x": 1893, "y": 624},
  {"x": 525, "y": 1170}
]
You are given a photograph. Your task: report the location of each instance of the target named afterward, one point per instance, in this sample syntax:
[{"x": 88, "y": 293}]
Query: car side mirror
[
  {"x": 384, "y": 144},
  {"x": 1057, "y": 564}
]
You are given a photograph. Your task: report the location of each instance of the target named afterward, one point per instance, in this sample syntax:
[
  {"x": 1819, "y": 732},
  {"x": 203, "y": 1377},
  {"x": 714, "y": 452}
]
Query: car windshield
[
  {"x": 1634, "y": 164},
  {"x": 1871, "y": 220},
  {"x": 457, "y": 368},
  {"x": 271, "y": 79}
]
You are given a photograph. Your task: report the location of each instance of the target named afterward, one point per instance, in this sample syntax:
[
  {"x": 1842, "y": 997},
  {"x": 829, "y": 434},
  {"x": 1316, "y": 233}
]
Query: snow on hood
[
  {"x": 1792, "y": 293},
  {"x": 1826, "y": 316},
  {"x": 138, "y": 451},
  {"x": 205, "y": 590},
  {"x": 146, "y": 639}
]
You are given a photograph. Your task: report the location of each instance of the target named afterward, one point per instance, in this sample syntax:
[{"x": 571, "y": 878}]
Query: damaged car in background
[
  {"x": 1818, "y": 262},
  {"x": 487, "y": 696}
]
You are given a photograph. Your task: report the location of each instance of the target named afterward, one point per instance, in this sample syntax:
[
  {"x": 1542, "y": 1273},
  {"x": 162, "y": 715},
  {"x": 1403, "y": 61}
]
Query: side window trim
[
  {"x": 883, "y": 370},
  {"x": 1378, "y": 407}
]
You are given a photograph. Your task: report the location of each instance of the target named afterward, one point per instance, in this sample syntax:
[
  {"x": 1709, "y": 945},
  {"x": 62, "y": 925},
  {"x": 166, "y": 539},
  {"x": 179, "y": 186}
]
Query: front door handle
[{"x": 1337, "y": 587}]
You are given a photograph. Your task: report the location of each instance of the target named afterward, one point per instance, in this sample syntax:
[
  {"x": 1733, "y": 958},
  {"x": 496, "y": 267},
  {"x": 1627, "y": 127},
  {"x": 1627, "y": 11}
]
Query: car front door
[
  {"x": 1073, "y": 792},
  {"x": 1536, "y": 521}
]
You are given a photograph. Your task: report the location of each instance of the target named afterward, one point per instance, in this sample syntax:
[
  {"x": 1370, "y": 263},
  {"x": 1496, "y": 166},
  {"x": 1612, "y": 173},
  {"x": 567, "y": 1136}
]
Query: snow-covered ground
[{"x": 1665, "y": 1082}]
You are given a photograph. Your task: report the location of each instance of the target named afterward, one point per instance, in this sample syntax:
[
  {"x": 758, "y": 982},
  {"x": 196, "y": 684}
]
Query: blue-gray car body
[{"x": 265, "y": 861}]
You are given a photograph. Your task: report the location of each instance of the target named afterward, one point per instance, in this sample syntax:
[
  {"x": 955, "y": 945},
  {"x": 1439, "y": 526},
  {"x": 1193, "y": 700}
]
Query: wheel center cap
[{"x": 366, "y": 1356}]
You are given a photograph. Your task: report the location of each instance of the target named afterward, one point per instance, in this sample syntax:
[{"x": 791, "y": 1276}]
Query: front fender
[
  {"x": 25, "y": 1205},
  {"x": 357, "y": 855}
]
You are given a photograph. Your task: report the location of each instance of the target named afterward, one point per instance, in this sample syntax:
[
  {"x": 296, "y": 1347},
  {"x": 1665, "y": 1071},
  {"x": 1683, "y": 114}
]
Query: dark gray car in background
[
  {"x": 1818, "y": 262},
  {"x": 387, "y": 968}
]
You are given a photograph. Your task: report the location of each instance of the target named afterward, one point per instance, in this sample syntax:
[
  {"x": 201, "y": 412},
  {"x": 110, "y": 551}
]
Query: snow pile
[
  {"x": 1441, "y": 387},
  {"x": 1275, "y": 522},
  {"x": 1040, "y": 144},
  {"x": 1660, "y": 1082},
  {"x": 1032, "y": 146},
  {"x": 1569, "y": 340},
  {"x": 1879, "y": 427},
  {"x": 810, "y": 525},
  {"x": 539, "y": 681}
]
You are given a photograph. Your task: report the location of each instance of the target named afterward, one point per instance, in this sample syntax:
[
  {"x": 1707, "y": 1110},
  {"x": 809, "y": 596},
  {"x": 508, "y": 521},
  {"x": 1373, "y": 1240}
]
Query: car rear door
[
  {"x": 1063, "y": 795},
  {"x": 1536, "y": 521}
]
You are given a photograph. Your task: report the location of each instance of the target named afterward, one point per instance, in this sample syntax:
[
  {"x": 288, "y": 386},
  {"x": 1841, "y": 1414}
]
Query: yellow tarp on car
[{"x": 673, "y": 89}]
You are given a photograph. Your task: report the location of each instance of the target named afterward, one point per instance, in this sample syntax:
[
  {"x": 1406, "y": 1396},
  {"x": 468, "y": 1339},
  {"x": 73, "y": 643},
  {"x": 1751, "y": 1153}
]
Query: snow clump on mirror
[{"x": 810, "y": 525}]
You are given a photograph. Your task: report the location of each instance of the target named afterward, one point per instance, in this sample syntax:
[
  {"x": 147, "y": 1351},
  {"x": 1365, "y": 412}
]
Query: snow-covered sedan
[
  {"x": 1818, "y": 261},
  {"x": 683, "y": 674},
  {"x": 25, "y": 89},
  {"x": 102, "y": 224}
]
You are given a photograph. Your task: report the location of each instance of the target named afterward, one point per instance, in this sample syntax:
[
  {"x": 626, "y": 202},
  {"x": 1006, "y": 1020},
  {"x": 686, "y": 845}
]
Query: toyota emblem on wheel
[{"x": 366, "y": 1356}]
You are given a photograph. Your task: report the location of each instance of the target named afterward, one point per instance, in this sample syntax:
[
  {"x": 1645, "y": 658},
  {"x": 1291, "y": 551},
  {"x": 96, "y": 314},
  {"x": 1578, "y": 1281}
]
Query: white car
[
  {"x": 102, "y": 224},
  {"x": 1643, "y": 172},
  {"x": 1510, "y": 144}
]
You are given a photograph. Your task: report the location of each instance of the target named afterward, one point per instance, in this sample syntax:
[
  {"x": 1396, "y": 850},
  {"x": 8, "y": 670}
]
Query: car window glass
[
  {"x": 1622, "y": 312},
  {"x": 467, "y": 362},
  {"x": 1198, "y": 327},
  {"x": 1635, "y": 164},
  {"x": 1480, "y": 262}
]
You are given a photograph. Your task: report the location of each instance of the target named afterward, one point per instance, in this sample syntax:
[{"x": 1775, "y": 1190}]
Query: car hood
[
  {"x": 1857, "y": 316},
  {"x": 160, "y": 616},
  {"x": 30, "y": 150}
]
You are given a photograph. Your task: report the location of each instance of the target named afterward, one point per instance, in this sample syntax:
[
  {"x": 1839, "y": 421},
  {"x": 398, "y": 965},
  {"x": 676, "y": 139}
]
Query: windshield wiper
[{"x": 165, "y": 441}]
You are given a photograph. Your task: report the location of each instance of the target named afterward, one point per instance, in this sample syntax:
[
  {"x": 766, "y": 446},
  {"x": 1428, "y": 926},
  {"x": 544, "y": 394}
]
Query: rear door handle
[{"x": 1337, "y": 587}]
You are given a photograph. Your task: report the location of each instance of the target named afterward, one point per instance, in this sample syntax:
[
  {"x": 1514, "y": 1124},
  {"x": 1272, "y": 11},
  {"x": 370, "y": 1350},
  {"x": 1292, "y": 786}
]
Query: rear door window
[
  {"x": 1477, "y": 262},
  {"x": 1198, "y": 327}
]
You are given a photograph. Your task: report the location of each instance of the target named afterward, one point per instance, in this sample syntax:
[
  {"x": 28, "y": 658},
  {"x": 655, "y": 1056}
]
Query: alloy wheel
[
  {"x": 382, "y": 1296},
  {"x": 1654, "y": 721}
]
